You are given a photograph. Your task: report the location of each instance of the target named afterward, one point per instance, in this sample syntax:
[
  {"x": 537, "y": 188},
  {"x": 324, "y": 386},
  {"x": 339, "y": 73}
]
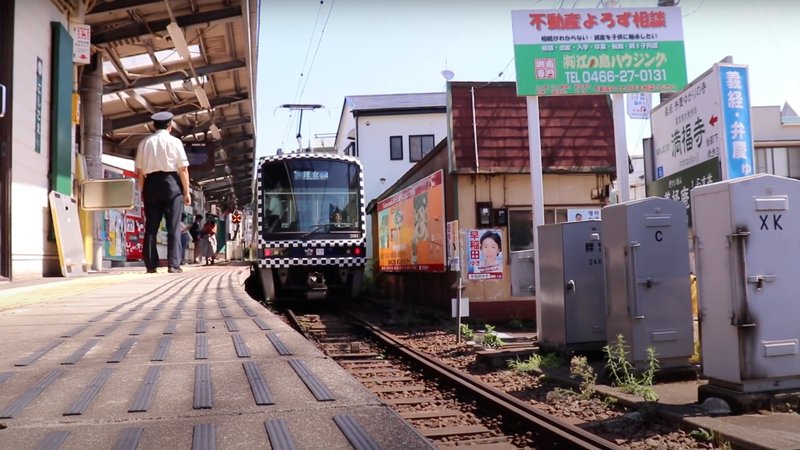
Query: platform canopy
[{"x": 194, "y": 58}]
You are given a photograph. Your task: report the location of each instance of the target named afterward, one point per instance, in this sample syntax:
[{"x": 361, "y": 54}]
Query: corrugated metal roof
[
  {"x": 396, "y": 101},
  {"x": 577, "y": 131}
]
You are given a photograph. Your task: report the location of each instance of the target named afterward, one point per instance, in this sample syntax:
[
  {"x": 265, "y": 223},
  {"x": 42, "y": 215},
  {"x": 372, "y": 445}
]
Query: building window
[
  {"x": 396, "y": 147},
  {"x": 351, "y": 149},
  {"x": 520, "y": 226},
  {"x": 783, "y": 161},
  {"x": 419, "y": 146},
  {"x": 555, "y": 215},
  {"x": 520, "y": 230}
]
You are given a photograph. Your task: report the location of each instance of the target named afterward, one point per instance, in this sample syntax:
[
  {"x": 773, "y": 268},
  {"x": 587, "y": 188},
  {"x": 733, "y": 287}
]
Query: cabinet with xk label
[{"x": 747, "y": 240}]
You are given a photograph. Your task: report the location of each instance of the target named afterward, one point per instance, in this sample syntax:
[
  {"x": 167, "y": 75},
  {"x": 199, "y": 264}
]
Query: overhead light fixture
[
  {"x": 202, "y": 97},
  {"x": 178, "y": 40},
  {"x": 214, "y": 129}
]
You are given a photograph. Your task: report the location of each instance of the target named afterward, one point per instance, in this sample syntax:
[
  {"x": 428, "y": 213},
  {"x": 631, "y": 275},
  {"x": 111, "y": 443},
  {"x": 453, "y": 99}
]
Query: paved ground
[{"x": 172, "y": 361}]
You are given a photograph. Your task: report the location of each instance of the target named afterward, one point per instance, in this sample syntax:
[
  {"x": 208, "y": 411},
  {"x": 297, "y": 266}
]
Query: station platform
[{"x": 125, "y": 359}]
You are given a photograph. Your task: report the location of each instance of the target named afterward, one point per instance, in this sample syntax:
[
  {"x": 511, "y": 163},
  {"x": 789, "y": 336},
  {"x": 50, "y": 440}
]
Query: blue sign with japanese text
[{"x": 736, "y": 112}]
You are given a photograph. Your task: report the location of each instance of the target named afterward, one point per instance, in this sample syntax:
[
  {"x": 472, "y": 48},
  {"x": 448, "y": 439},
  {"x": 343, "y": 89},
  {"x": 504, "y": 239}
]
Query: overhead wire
[
  {"x": 319, "y": 42},
  {"x": 308, "y": 51},
  {"x": 295, "y": 99},
  {"x": 696, "y": 9},
  {"x": 307, "y": 73}
]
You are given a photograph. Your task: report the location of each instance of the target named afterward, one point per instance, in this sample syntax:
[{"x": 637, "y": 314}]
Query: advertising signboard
[
  {"x": 411, "y": 228},
  {"x": 708, "y": 120},
  {"x": 598, "y": 51}
]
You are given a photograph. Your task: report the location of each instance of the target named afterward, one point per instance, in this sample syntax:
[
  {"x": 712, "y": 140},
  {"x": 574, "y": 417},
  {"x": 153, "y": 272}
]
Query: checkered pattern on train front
[
  {"x": 263, "y": 244},
  {"x": 314, "y": 243},
  {"x": 285, "y": 263}
]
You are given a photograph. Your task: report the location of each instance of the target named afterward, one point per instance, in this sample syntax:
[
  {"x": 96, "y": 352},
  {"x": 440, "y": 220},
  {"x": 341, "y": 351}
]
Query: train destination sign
[{"x": 598, "y": 51}]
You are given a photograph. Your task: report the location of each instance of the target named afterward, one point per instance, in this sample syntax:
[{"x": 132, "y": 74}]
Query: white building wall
[
  {"x": 373, "y": 146},
  {"x": 768, "y": 125},
  {"x": 29, "y": 176},
  {"x": 373, "y": 151}
]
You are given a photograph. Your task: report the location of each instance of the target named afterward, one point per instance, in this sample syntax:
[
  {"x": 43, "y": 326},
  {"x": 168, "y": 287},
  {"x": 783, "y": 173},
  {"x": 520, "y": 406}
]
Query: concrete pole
[{"x": 91, "y": 92}]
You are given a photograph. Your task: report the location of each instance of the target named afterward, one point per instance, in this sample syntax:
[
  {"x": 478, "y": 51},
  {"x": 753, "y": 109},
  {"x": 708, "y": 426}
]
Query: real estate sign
[
  {"x": 411, "y": 228},
  {"x": 702, "y": 134},
  {"x": 598, "y": 51}
]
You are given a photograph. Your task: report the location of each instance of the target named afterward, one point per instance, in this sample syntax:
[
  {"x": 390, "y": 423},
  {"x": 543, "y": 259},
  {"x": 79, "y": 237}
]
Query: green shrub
[
  {"x": 623, "y": 374},
  {"x": 490, "y": 338},
  {"x": 466, "y": 332},
  {"x": 579, "y": 368},
  {"x": 533, "y": 363}
]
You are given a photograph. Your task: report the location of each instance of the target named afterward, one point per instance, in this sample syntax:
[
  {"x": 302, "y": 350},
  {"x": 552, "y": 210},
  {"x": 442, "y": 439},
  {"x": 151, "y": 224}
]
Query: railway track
[{"x": 450, "y": 408}]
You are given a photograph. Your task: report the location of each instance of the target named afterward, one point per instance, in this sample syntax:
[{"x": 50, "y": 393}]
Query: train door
[{"x": 6, "y": 75}]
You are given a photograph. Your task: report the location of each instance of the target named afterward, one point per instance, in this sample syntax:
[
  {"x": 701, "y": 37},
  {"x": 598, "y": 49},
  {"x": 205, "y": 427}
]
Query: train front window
[{"x": 310, "y": 196}]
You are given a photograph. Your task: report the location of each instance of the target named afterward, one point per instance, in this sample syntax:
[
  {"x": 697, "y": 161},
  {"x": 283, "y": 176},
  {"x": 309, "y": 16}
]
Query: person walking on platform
[
  {"x": 162, "y": 169},
  {"x": 194, "y": 230},
  {"x": 209, "y": 237},
  {"x": 186, "y": 236}
]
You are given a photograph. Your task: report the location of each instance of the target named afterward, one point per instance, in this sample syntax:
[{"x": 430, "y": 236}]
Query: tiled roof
[
  {"x": 396, "y": 101},
  {"x": 577, "y": 131}
]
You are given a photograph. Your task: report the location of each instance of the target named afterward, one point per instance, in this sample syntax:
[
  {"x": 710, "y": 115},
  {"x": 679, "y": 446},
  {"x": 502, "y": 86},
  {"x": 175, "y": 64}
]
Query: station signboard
[{"x": 703, "y": 134}]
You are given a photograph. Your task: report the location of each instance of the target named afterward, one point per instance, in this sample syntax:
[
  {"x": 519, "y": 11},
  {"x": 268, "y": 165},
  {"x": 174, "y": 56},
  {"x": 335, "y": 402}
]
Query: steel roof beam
[
  {"x": 132, "y": 30},
  {"x": 111, "y": 88},
  {"x": 143, "y": 118},
  {"x": 236, "y": 140},
  {"x": 203, "y": 127},
  {"x": 116, "y": 5}
]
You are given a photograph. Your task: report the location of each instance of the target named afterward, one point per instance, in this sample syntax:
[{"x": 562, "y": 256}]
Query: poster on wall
[
  {"x": 115, "y": 235},
  {"x": 579, "y": 214},
  {"x": 134, "y": 224},
  {"x": 453, "y": 247},
  {"x": 411, "y": 229},
  {"x": 134, "y": 238},
  {"x": 484, "y": 254}
]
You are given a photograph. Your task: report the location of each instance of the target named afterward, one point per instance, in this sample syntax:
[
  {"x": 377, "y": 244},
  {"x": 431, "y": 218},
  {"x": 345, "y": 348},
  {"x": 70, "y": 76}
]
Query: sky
[{"x": 318, "y": 52}]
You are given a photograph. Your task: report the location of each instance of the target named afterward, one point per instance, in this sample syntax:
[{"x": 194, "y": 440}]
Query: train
[{"x": 309, "y": 228}]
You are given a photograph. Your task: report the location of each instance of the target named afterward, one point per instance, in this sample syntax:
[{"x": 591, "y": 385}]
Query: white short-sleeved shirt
[{"x": 161, "y": 152}]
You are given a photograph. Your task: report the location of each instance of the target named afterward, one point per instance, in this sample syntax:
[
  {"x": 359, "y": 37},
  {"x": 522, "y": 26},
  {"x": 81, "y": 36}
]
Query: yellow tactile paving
[{"x": 27, "y": 295}]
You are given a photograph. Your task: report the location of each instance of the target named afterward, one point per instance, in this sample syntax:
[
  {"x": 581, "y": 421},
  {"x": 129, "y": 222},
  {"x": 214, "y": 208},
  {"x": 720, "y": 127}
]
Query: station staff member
[{"x": 162, "y": 168}]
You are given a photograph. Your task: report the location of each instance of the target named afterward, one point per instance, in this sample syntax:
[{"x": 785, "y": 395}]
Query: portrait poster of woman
[{"x": 485, "y": 254}]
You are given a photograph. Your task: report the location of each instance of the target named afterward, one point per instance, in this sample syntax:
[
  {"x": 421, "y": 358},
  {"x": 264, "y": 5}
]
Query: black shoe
[
  {"x": 175, "y": 270},
  {"x": 151, "y": 271}
]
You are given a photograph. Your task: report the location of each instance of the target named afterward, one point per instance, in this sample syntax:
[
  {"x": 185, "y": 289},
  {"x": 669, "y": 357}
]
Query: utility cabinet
[
  {"x": 571, "y": 311},
  {"x": 748, "y": 255},
  {"x": 646, "y": 250}
]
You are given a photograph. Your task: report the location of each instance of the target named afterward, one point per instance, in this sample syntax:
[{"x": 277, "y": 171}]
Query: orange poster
[{"x": 411, "y": 228}]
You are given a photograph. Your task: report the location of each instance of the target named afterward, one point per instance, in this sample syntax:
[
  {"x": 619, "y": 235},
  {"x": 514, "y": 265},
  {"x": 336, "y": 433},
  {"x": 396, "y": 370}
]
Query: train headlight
[{"x": 357, "y": 251}]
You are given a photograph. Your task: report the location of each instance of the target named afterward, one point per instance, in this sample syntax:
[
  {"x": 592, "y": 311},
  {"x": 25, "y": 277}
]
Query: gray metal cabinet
[
  {"x": 647, "y": 277},
  {"x": 747, "y": 247},
  {"x": 522, "y": 276},
  {"x": 571, "y": 302}
]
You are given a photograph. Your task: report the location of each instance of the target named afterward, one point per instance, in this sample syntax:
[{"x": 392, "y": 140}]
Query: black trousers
[{"x": 162, "y": 197}]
